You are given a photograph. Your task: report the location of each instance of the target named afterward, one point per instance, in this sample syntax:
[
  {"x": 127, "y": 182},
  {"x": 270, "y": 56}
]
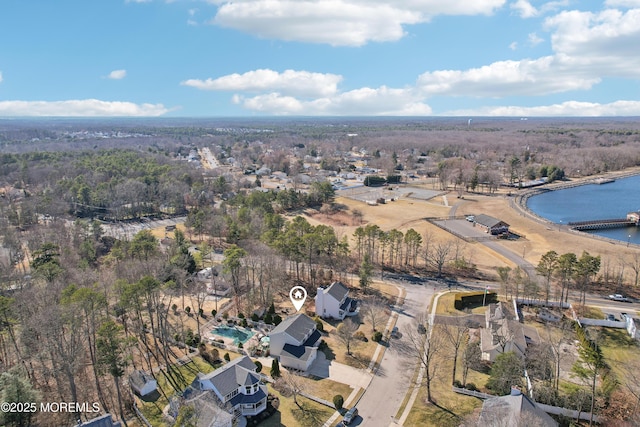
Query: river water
[{"x": 590, "y": 202}]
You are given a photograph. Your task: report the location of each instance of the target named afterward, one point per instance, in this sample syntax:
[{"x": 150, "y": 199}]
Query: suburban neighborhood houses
[{"x": 309, "y": 275}]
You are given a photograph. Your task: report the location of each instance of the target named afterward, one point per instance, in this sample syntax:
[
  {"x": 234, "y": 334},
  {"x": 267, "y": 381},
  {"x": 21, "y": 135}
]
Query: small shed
[
  {"x": 142, "y": 382},
  {"x": 490, "y": 224}
]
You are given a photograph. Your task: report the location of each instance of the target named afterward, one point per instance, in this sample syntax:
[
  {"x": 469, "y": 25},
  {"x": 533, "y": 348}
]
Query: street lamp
[
  {"x": 559, "y": 225},
  {"x": 628, "y": 240}
]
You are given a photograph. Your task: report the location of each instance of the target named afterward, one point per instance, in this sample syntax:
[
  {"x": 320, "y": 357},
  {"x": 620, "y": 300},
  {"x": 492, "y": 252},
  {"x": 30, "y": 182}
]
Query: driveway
[{"x": 339, "y": 372}]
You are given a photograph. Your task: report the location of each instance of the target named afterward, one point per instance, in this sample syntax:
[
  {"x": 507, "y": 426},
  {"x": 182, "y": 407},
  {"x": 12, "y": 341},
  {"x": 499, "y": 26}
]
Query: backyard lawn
[{"x": 290, "y": 415}]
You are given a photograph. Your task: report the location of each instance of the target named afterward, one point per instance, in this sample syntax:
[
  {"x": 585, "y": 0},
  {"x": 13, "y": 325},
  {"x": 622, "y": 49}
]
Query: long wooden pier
[{"x": 601, "y": 224}]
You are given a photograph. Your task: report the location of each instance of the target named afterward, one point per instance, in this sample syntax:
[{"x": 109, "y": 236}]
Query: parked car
[
  {"x": 421, "y": 329},
  {"x": 350, "y": 416},
  {"x": 471, "y": 218},
  {"x": 619, "y": 297},
  {"x": 395, "y": 333},
  {"x": 611, "y": 317}
]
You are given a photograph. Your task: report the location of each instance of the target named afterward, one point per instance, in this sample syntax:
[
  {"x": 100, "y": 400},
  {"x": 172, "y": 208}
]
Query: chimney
[{"x": 515, "y": 391}]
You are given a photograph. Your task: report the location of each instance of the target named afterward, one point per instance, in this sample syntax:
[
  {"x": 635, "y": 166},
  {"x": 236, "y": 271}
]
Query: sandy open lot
[{"x": 537, "y": 238}]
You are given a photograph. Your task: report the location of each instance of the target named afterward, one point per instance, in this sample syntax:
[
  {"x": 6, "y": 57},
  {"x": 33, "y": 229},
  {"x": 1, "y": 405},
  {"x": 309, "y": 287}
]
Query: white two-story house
[
  {"x": 334, "y": 302},
  {"x": 294, "y": 342},
  {"x": 237, "y": 386}
]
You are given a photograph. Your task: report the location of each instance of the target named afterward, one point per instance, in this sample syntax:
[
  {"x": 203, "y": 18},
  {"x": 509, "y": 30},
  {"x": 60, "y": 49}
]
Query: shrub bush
[
  {"x": 254, "y": 317},
  {"x": 258, "y": 366},
  {"x": 359, "y": 335},
  {"x": 457, "y": 383},
  {"x": 319, "y": 324},
  {"x": 377, "y": 336},
  {"x": 338, "y": 401},
  {"x": 227, "y": 357},
  {"x": 471, "y": 386}
]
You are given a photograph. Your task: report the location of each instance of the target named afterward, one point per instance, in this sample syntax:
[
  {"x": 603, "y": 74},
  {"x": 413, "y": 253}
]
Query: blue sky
[{"x": 214, "y": 58}]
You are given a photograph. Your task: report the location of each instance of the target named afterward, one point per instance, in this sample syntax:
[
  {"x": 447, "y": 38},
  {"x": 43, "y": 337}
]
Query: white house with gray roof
[
  {"x": 334, "y": 302},
  {"x": 237, "y": 387},
  {"x": 142, "y": 382},
  {"x": 295, "y": 342}
]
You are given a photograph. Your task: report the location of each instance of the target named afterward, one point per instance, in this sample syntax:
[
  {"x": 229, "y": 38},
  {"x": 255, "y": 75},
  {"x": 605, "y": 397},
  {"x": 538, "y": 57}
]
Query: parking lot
[
  {"x": 463, "y": 228},
  {"x": 366, "y": 194}
]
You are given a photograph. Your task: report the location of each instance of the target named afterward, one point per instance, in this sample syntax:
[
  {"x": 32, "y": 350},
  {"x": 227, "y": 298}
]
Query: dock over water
[{"x": 601, "y": 224}]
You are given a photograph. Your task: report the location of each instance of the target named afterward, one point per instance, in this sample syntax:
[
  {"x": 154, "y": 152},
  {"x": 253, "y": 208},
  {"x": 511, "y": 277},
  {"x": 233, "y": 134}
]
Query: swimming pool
[{"x": 238, "y": 334}]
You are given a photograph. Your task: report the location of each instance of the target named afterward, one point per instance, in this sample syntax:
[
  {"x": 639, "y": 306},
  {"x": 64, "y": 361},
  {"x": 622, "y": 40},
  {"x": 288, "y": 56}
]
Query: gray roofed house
[
  {"x": 237, "y": 386},
  {"x": 490, "y": 224},
  {"x": 295, "y": 342},
  {"x": 502, "y": 333},
  {"x": 142, "y": 382},
  {"x": 514, "y": 410},
  {"x": 209, "y": 413},
  {"x": 296, "y": 326},
  {"x": 334, "y": 302},
  {"x": 102, "y": 421}
]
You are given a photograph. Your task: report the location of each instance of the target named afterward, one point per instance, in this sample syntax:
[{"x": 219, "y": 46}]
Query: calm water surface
[{"x": 589, "y": 202}]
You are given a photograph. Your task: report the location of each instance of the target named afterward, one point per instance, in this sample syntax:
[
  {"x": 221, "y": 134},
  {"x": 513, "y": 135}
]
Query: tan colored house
[{"x": 502, "y": 333}]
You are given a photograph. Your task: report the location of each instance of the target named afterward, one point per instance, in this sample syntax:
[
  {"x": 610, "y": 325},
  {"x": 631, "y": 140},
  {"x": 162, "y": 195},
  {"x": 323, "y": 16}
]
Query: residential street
[{"x": 383, "y": 397}]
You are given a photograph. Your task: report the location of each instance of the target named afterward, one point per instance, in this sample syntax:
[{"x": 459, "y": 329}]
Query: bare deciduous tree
[
  {"x": 425, "y": 349},
  {"x": 345, "y": 333},
  {"x": 456, "y": 335},
  {"x": 373, "y": 310}
]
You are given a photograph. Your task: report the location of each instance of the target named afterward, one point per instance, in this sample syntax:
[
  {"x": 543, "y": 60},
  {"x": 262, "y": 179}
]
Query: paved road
[{"x": 389, "y": 386}]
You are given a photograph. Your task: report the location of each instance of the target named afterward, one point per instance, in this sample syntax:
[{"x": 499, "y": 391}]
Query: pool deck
[{"x": 230, "y": 341}]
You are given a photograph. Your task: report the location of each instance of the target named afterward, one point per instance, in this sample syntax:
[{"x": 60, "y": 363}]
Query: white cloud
[
  {"x": 289, "y": 82},
  {"x": 513, "y": 45},
  {"x": 540, "y": 76},
  {"x": 0, "y": 76},
  {"x": 597, "y": 35},
  {"x": 117, "y": 74},
  {"x": 80, "y": 108},
  {"x": 534, "y": 40},
  {"x": 622, "y": 3},
  {"x": 382, "y": 101},
  {"x": 339, "y": 22},
  {"x": 524, "y": 9},
  {"x": 605, "y": 43},
  {"x": 569, "y": 108}
]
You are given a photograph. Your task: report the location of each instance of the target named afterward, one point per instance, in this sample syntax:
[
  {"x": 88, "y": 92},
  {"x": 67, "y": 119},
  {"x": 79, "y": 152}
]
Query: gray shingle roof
[
  {"x": 240, "y": 371},
  {"x": 337, "y": 290},
  {"x": 297, "y": 326},
  {"x": 512, "y": 411},
  {"x": 298, "y": 351},
  {"x": 138, "y": 379},
  {"x": 488, "y": 221}
]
